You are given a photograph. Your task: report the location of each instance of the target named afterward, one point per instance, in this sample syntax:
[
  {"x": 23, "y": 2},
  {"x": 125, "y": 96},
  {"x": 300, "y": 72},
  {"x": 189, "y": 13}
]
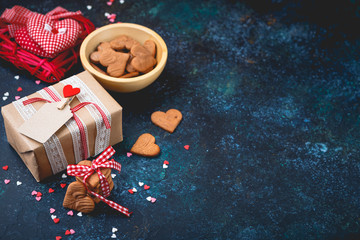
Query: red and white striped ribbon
[{"x": 99, "y": 162}]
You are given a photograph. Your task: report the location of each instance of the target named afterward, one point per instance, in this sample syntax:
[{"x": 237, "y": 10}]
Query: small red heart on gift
[
  {"x": 131, "y": 191},
  {"x": 69, "y": 91},
  {"x": 58, "y": 238},
  {"x": 62, "y": 185},
  {"x": 38, "y": 194},
  {"x": 146, "y": 187},
  {"x": 56, "y": 220},
  {"x": 5, "y": 167},
  {"x": 51, "y": 190},
  {"x": 166, "y": 162}
]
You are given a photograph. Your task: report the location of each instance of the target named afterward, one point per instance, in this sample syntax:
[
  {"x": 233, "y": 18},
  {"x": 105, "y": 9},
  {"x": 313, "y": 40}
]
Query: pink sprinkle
[
  {"x": 72, "y": 231},
  {"x": 37, "y": 82},
  {"x": 128, "y": 154},
  {"x": 70, "y": 213},
  {"x": 33, "y": 192},
  {"x": 38, "y": 198},
  {"x": 113, "y": 15},
  {"x": 109, "y": 3},
  {"x": 52, "y": 210},
  {"x": 6, "y": 181},
  {"x": 17, "y": 97},
  {"x": 111, "y": 20},
  {"x": 153, "y": 200}
]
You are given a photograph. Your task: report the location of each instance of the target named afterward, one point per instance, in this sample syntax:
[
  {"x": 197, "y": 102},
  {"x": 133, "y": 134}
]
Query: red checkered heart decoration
[{"x": 53, "y": 36}]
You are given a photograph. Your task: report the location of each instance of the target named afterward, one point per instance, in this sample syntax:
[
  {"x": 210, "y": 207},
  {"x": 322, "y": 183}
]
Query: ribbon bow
[{"x": 99, "y": 162}]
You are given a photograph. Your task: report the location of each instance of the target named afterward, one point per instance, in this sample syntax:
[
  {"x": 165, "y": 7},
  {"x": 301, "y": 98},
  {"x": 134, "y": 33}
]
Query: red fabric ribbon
[
  {"x": 99, "y": 162},
  {"x": 76, "y": 118}
]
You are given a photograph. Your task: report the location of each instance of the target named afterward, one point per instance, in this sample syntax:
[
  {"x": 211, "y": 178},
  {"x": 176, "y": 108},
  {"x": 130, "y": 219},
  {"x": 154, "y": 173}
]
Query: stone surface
[{"x": 269, "y": 92}]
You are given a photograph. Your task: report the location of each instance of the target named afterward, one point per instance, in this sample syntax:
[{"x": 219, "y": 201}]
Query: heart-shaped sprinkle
[
  {"x": 187, "y": 147},
  {"x": 134, "y": 190},
  {"x": 69, "y": 91},
  {"x": 56, "y": 220},
  {"x": 33, "y": 193},
  {"x": 111, "y": 20},
  {"x": 17, "y": 97},
  {"x": 58, "y": 238},
  {"x": 16, "y": 77},
  {"x": 165, "y": 166},
  {"x": 109, "y": 3},
  {"x": 38, "y": 194},
  {"x": 6, "y": 94},
  {"x": 52, "y": 210},
  {"x": 37, "y": 82},
  {"x": 19, "y": 89},
  {"x": 38, "y": 199},
  {"x": 53, "y": 217},
  {"x": 67, "y": 232},
  {"x": 146, "y": 187},
  {"x": 148, "y": 198},
  {"x": 51, "y": 190},
  {"x": 113, "y": 235},
  {"x": 107, "y": 14},
  {"x": 166, "y": 162},
  {"x": 131, "y": 191},
  {"x": 18, "y": 183},
  {"x": 153, "y": 200},
  {"x": 121, "y": 1},
  {"x": 62, "y": 185},
  {"x": 129, "y": 154},
  {"x": 141, "y": 184},
  {"x": 5, "y": 167},
  {"x": 6, "y": 181},
  {"x": 70, "y": 213},
  {"x": 72, "y": 231},
  {"x": 114, "y": 229},
  {"x": 89, "y": 7},
  {"x": 64, "y": 175},
  {"x": 4, "y": 98},
  {"x": 79, "y": 214}
]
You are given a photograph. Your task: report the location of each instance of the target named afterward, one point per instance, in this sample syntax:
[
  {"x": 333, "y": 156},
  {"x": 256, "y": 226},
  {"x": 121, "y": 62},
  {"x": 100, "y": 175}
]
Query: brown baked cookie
[
  {"x": 130, "y": 74},
  {"x": 150, "y": 46},
  {"x": 93, "y": 182},
  {"x": 145, "y": 146},
  {"x": 167, "y": 121},
  {"x": 123, "y": 42},
  {"x": 142, "y": 60},
  {"x": 95, "y": 56},
  {"x": 76, "y": 198},
  {"x": 114, "y": 61},
  {"x": 97, "y": 68}
]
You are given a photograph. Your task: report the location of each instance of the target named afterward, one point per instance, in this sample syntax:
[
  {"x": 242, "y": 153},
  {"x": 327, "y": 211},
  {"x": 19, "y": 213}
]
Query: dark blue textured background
[{"x": 269, "y": 94}]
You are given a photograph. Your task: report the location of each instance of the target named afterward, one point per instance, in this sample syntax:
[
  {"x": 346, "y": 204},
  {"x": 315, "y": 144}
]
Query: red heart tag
[
  {"x": 62, "y": 185},
  {"x": 146, "y": 187},
  {"x": 69, "y": 91},
  {"x": 51, "y": 190}
]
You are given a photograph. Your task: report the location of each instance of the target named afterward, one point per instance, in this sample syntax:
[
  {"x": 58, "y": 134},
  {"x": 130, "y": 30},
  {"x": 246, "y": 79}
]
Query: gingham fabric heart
[{"x": 53, "y": 36}]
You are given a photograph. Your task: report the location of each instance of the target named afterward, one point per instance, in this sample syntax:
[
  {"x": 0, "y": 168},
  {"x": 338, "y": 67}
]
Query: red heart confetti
[
  {"x": 67, "y": 232},
  {"x": 146, "y": 187},
  {"x": 58, "y": 238},
  {"x": 5, "y": 167},
  {"x": 166, "y": 162},
  {"x": 51, "y": 190},
  {"x": 38, "y": 194},
  {"x": 187, "y": 147},
  {"x": 69, "y": 91},
  {"x": 56, "y": 220},
  {"x": 19, "y": 89},
  {"x": 62, "y": 185},
  {"x": 131, "y": 191}
]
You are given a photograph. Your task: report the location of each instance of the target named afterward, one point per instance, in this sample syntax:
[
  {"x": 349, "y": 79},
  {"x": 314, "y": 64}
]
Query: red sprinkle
[
  {"x": 19, "y": 89},
  {"x": 58, "y": 237},
  {"x": 166, "y": 162},
  {"x": 146, "y": 187},
  {"x": 67, "y": 232},
  {"x": 187, "y": 147},
  {"x": 5, "y": 167},
  {"x": 51, "y": 190},
  {"x": 131, "y": 191},
  {"x": 63, "y": 185},
  {"x": 38, "y": 194},
  {"x": 56, "y": 220}
]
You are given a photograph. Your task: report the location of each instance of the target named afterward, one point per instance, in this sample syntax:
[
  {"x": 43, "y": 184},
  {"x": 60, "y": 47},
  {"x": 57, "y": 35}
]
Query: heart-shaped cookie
[
  {"x": 76, "y": 198},
  {"x": 142, "y": 61},
  {"x": 53, "y": 36},
  {"x": 167, "y": 121},
  {"x": 145, "y": 146}
]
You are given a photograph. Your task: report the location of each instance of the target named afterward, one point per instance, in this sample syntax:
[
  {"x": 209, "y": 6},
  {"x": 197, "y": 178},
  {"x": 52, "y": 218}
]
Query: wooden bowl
[{"x": 135, "y": 31}]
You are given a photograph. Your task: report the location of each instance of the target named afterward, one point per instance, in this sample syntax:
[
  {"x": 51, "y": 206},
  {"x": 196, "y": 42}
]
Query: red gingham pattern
[
  {"x": 28, "y": 30},
  {"x": 99, "y": 162}
]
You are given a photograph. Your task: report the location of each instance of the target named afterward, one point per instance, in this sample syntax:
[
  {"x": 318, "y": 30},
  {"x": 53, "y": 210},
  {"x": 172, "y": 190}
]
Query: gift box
[{"x": 96, "y": 124}]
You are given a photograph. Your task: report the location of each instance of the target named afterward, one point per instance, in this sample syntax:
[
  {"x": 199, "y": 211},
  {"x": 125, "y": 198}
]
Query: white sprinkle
[
  {"x": 6, "y": 94},
  {"x": 134, "y": 190},
  {"x": 64, "y": 175},
  {"x": 113, "y": 235},
  {"x": 165, "y": 166},
  {"x": 114, "y": 229},
  {"x": 113, "y": 175},
  {"x": 79, "y": 214},
  {"x": 16, "y": 77},
  {"x": 148, "y": 198},
  {"x": 121, "y": 1},
  {"x": 107, "y": 14},
  {"x": 53, "y": 216},
  {"x": 4, "y": 98},
  {"x": 141, "y": 184},
  {"x": 89, "y": 7},
  {"x": 18, "y": 183}
]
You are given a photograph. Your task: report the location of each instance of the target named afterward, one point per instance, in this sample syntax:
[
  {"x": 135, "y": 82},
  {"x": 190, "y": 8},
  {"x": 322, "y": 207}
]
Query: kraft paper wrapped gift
[{"x": 66, "y": 145}]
